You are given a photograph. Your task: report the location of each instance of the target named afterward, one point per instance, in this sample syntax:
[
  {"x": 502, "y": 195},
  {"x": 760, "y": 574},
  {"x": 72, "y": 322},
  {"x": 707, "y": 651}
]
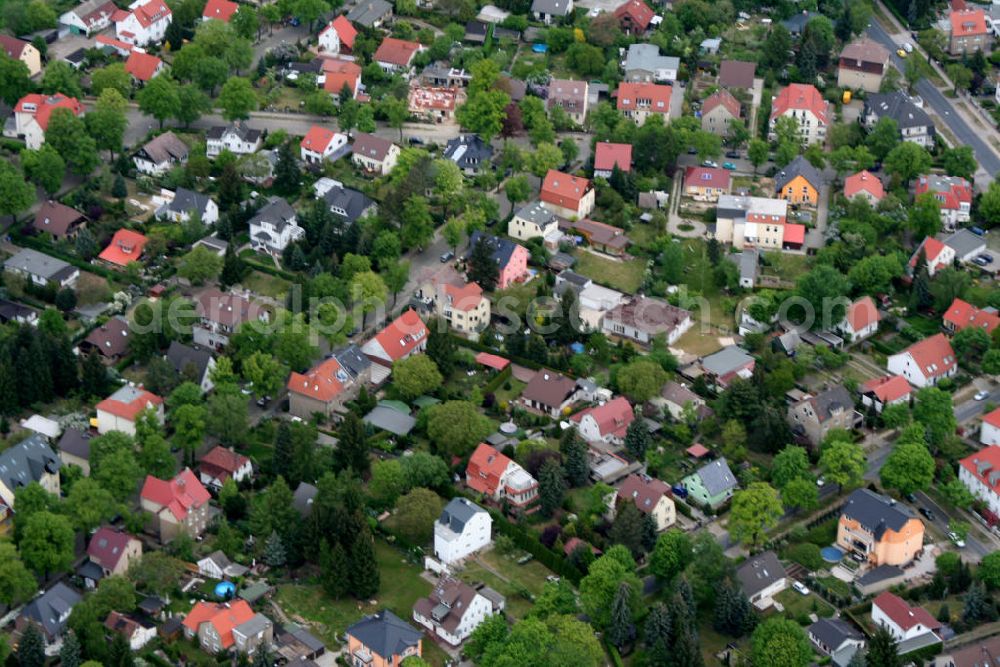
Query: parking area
[
  {"x": 69, "y": 43},
  {"x": 990, "y": 262}
]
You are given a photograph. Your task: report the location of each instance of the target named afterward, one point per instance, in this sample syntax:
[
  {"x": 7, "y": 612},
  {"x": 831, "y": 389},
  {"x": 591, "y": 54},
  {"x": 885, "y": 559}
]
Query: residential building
[
  {"x": 192, "y": 364},
  {"x": 33, "y": 111},
  {"x": 572, "y": 96},
  {"x": 217, "y": 565},
  {"x": 974, "y": 654},
  {"x": 74, "y": 449},
  {"x": 338, "y": 36},
  {"x": 606, "y": 422},
  {"x": 953, "y": 194},
  {"x": 143, "y": 66},
  {"x": 644, "y": 318},
  {"x": 31, "y": 460},
  {"x": 534, "y": 220},
  {"x": 549, "y": 392},
  {"x": 89, "y": 17},
  {"x": 338, "y": 74},
  {"x": 434, "y": 105},
  {"x": 49, "y": 612},
  {"x": 462, "y": 529},
  {"x": 461, "y": 304},
  {"x": 798, "y": 182},
  {"x": 719, "y": 111},
  {"x": 228, "y": 626},
  {"x": 187, "y": 203},
  {"x": 911, "y": 627},
  {"x": 395, "y": 56},
  {"x": 110, "y": 340},
  {"x": 504, "y": 481},
  {"x": 836, "y": 638},
  {"x": 453, "y": 610},
  {"x": 348, "y": 204},
  {"x": 567, "y": 195},
  {"x": 442, "y": 74},
  {"x": 884, "y": 391},
  {"x": 980, "y": 471},
  {"x": 238, "y": 139},
  {"x": 114, "y": 551},
  {"x": 470, "y": 153},
  {"x": 374, "y": 155},
  {"x": 145, "y": 23},
  {"x": 634, "y": 17},
  {"x": 511, "y": 258},
  {"x": 161, "y": 154},
  {"x": 913, "y": 122},
  {"x": 925, "y": 362},
  {"x": 371, "y": 14},
  {"x": 18, "y": 49},
  {"x": 607, "y": 156},
  {"x": 706, "y": 183},
  {"x": 937, "y": 255},
  {"x": 11, "y": 311},
  {"x": 675, "y": 398},
  {"x": 179, "y": 505},
  {"x": 970, "y": 32},
  {"x": 879, "y": 529},
  {"x": 59, "y": 221},
  {"x": 320, "y": 144},
  {"x": 966, "y": 244},
  {"x": 651, "y": 496},
  {"x": 860, "y": 320},
  {"x": 737, "y": 75},
  {"x": 327, "y": 386},
  {"x": 712, "y": 484},
  {"x": 40, "y": 269},
  {"x": 866, "y": 185},
  {"x": 644, "y": 64},
  {"x": 962, "y": 314},
  {"x": 862, "y": 65},
  {"x": 274, "y": 227},
  {"x": 220, "y": 316},
  {"x": 757, "y": 222},
  {"x": 137, "y": 630},
  {"x": 796, "y": 23},
  {"x": 762, "y": 577},
  {"x": 806, "y": 106},
  {"x": 603, "y": 238},
  {"x": 118, "y": 412},
  {"x": 401, "y": 338},
  {"x": 814, "y": 416},
  {"x": 126, "y": 246},
  {"x": 221, "y": 464},
  {"x": 219, "y": 10},
  {"x": 551, "y": 11},
  {"x": 381, "y": 640},
  {"x": 640, "y": 100},
  {"x": 722, "y": 367}
]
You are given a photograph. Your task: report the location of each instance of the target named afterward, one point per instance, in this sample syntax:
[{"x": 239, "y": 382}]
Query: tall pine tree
[
  {"x": 31, "y": 648},
  {"x": 637, "y": 438},
  {"x": 657, "y": 635},
  {"x": 281, "y": 460},
  {"x": 551, "y": 486},
  {"x": 882, "y": 650},
  {"x": 482, "y": 267},
  {"x": 622, "y": 630},
  {"x": 353, "y": 448},
  {"x": 69, "y": 653},
  {"x": 364, "y": 575},
  {"x": 335, "y": 570},
  {"x": 575, "y": 464}
]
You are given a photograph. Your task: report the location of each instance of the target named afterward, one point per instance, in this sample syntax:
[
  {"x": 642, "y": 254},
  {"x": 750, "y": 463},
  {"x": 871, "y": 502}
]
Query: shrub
[{"x": 805, "y": 554}]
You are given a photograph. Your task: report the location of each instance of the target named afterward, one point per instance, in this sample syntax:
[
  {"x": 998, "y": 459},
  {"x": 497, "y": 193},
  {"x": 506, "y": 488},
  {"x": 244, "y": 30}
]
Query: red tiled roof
[
  {"x": 126, "y": 246},
  {"x": 402, "y": 335},
  {"x": 902, "y": 614},
  {"x": 887, "y": 388},
  {"x": 863, "y": 181},
  {"x": 993, "y": 419},
  {"x": 397, "y": 52},
  {"x": 613, "y": 418},
  {"x": 340, "y": 73},
  {"x": 223, "y": 616},
  {"x": 317, "y": 139},
  {"x": 44, "y": 105},
  {"x": 697, "y": 450},
  {"x": 984, "y": 465},
  {"x": 320, "y": 382},
  {"x": 657, "y": 96},
  {"x": 607, "y": 155},
  {"x": 950, "y": 191},
  {"x": 219, "y": 9},
  {"x": 862, "y": 313},
  {"x": 794, "y": 233},
  {"x": 464, "y": 297},
  {"x": 151, "y": 12},
  {"x": 644, "y": 491},
  {"x": 638, "y": 13},
  {"x": 564, "y": 190},
  {"x": 961, "y": 314},
  {"x": 934, "y": 356},
  {"x": 800, "y": 96},
  {"x": 722, "y": 97},
  {"x": 225, "y": 459},
  {"x": 931, "y": 247},
  {"x": 493, "y": 361},
  {"x": 345, "y": 31},
  {"x": 486, "y": 467},
  {"x": 706, "y": 177},
  {"x": 107, "y": 546},
  {"x": 121, "y": 47},
  {"x": 143, "y": 66},
  {"x": 129, "y": 410},
  {"x": 180, "y": 494},
  {"x": 968, "y": 22}
]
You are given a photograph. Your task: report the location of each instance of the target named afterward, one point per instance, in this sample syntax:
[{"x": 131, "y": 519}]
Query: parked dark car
[
  {"x": 679, "y": 491},
  {"x": 929, "y": 515}
]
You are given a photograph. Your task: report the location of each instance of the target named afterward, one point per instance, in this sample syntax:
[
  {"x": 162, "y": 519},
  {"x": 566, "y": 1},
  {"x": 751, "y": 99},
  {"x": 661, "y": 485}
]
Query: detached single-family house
[
  {"x": 33, "y": 111},
  {"x": 31, "y": 460},
  {"x": 962, "y": 314},
  {"x": 110, "y": 340},
  {"x": 676, "y": 397},
  {"x": 404, "y": 336},
  {"x": 758, "y": 222},
  {"x": 238, "y": 139},
  {"x": 126, "y": 246},
  {"x": 220, "y": 315},
  {"x": 836, "y": 638},
  {"x": 217, "y": 565},
  {"x": 381, "y": 640},
  {"x": 186, "y": 203},
  {"x": 722, "y": 367},
  {"x": 884, "y": 391},
  {"x": 219, "y": 10},
  {"x": 860, "y": 320},
  {"x": 371, "y": 13},
  {"x": 881, "y": 530},
  {"x": 462, "y": 529},
  {"x": 639, "y": 101},
  {"x": 866, "y": 185},
  {"x": 567, "y": 195},
  {"x": 145, "y": 23},
  {"x": 706, "y": 183},
  {"x": 937, "y": 255},
  {"x": 320, "y": 144},
  {"x": 913, "y": 122},
  {"x": 374, "y": 155},
  {"x": 59, "y": 220},
  {"x": 607, "y": 156},
  {"x": 599, "y": 236},
  {"x": 491, "y": 473},
  {"x": 737, "y": 74},
  {"x": 533, "y": 221},
  {"x": 805, "y": 105},
  {"x": 572, "y": 96},
  {"x": 952, "y": 193},
  {"x": 511, "y": 258},
  {"x": 719, "y": 111},
  {"x": 970, "y": 31},
  {"x": 472, "y": 155},
  {"x": 49, "y": 612},
  {"x": 606, "y": 422},
  {"x": 18, "y": 49},
  {"x": 137, "y": 630},
  {"x": 395, "y": 56},
  {"x": 911, "y": 627},
  {"x": 814, "y": 416},
  {"x": 327, "y": 386},
  {"x": 221, "y": 464},
  {"x": 549, "y": 392},
  {"x": 348, "y": 204},
  {"x": 980, "y": 471},
  {"x": 925, "y": 362},
  {"x": 89, "y": 17},
  {"x": 454, "y": 609},
  {"x": 762, "y": 577},
  {"x": 862, "y": 65},
  {"x": 114, "y": 551},
  {"x": 228, "y": 626},
  {"x": 161, "y": 154},
  {"x": 462, "y": 305},
  {"x": 651, "y": 496},
  {"x": 434, "y": 105},
  {"x": 119, "y": 411},
  {"x": 634, "y": 17},
  {"x": 551, "y": 11},
  {"x": 798, "y": 182},
  {"x": 338, "y": 36},
  {"x": 644, "y": 318},
  {"x": 274, "y": 227},
  {"x": 143, "y": 66},
  {"x": 192, "y": 364},
  {"x": 179, "y": 505},
  {"x": 74, "y": 449},
  {"x": 644, "y": 64},
  {"x": 40, "y": 269},
  {"x": 712, "y": 484}
]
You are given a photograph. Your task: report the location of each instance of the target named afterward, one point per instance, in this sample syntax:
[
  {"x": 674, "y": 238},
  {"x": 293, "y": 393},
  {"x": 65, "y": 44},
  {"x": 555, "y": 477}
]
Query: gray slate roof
[
  {"x": 163, "y": 148},
  {"x": 39, "y": 264},
  {"x": 352, "y": 359},
  {"x": 347, "y": 203},
  {"x": 716, "y": 476},
  {"x": 502, "y": 248},
  {"x": 647, "y": 57},
  {"x": 898, "y": 106},
  {"x": 181, "y": 356},
  {"x": 964, "y": 243},
  {"x": 458, "y": 512},
  {"x": 27, "y": 461},
  {"x": 876, "y": 512},
  {"x": 388, "y": 419},
  {"x": 255, "y": 625},
  {"x": 833, "y": 399},
  {"x": 186, "y": 201},
  {"x": 551, "y": 7},
  {"x": 726, "y": 360},
  {"x": 798, "y": 167},
  {"x": 760, "y": 571},
  {"x": 536, "y": 213},
  {"x": 833, "y": 632},
  {"x": 367, "y": 13},
  {"x": 303, "y": 498},
  {"x": 51, "y": 606},
  {"x": 75, "y": 442},
  {"x": 469, "y": 151},
  {"x": 278, "y": 212},
  {"x": 385, "y": 634}
]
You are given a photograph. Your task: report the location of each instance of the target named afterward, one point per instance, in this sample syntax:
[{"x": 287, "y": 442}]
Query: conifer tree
[
  {"x": 364, "y": 575},
  {"x": 622, "y": 629}
]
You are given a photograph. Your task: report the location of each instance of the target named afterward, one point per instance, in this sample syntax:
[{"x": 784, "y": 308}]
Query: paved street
[
  {"x": 977, "y": 544},
  {"x": 973, "y": 408}
]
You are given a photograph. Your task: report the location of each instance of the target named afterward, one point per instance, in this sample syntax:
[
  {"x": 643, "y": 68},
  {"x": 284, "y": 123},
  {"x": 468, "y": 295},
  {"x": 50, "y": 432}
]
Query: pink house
[{"x": 511, "y": 258}]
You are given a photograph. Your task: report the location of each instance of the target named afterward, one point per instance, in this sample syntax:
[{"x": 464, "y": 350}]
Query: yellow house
[
  {"x": 798, "y": 183},
  {"x": 878, "y": 528},
  {"x": 18, "y": 49}
]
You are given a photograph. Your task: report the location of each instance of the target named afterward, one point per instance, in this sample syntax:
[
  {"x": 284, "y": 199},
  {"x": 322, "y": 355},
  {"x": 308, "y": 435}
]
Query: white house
[
  {"x": 462, "y": 529},
  {"x": 41, "y": 269},
  {"x": 138, "y": 631},
  {"x": 374, "y": 155},
  {"x": 145, "y": 23},
  {"x": 937, "y": 255},
  {"x": 222, "y": 464},
  {"x": 454, "y": 609},
  {"x": 860, "y": 320},
  {"x": 237, "y": 138},
  {"x": 925, "y": 362},
  {"x": 337, "y": 36},
  {"x": 494, "y": 475},
  {"x": 118, "y": 412},
  {"x": 217, "y": 565},
  {"x": 980, "y": 472},
  {"x": 274, "y": 227},
  {"x": 903, "y": 622},
  {"x": 32, "y": 114},
  {"x": 762, "y": 577},
  {"x": 90, "y": 17},
  {"x": 606, "y": 422},
  {"x": 320, "y": 144},
  {"x": 989, "y": 433},
  {"x": 160, "y": 155},
  {"x": 186, "y": 203},
  {"x": 532, "y": 221}
]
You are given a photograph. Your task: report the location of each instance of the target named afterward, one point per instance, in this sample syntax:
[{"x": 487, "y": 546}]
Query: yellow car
[{"x": 901, "y": 53}]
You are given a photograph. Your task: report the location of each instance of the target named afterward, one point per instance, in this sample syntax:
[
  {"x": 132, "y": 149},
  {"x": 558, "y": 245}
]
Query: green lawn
[
  {"x": 508, "y": 395},
  {"x": 266, "y": 284},
  {"x": 835, "y": 585},
  {"x": 797, "y": 605},
  {"x": 620, "y": 275},
  {"x": 786, "y": 266},
  {"x": 518, "y": 583}
]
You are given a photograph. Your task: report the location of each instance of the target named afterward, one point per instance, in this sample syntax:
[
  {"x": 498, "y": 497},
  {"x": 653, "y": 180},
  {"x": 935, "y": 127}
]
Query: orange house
[
  {"x": 798, "y": 183},
  {"x": 382, "y": 640},
  {"x": 878, "y": 528}
]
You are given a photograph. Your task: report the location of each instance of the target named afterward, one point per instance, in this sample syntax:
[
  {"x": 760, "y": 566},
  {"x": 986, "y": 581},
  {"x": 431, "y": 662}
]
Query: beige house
[
  {"x": 651, "y": 496},
  {"x": 113, "y": 551},
  {"x": 879, "y": 529},
  {"x": 463, "y": 306},
  {"x": 815, "y": 416},
  {"x": 862, "y": 66},
  {"x": 179, "y": 505},
  {"x": 532, "y": 221},
  {"x": 18, "y": 49},
  {"x": 718, "y": 111},
  {"x": 325, "y": 388},
  {"x": 228, "y": 626}
]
